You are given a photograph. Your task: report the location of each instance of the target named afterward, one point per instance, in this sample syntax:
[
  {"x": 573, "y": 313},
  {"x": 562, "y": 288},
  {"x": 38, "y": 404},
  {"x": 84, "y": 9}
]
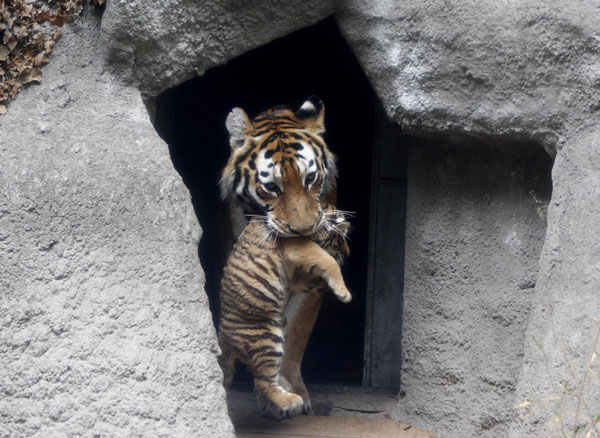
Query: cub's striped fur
[
  {"x": 280, "y": 174},
  {"x": 260, "y": 272}
]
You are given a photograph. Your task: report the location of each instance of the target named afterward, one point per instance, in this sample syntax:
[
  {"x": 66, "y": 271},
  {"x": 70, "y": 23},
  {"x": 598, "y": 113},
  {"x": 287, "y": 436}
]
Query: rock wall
[
  {"x": 466, "y": 68},
  {"x": 104, "y": 325},
  {"x": 475, "y": 228},
  {"x": 160, "y": 44},
  {"x": 561, "y": 344},
  {"x": 105, "y": 328},
  {"x": 529, "y": 70}
]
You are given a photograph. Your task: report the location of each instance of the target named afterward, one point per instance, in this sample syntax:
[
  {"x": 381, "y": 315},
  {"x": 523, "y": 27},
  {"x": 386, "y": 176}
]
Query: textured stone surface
[
  {"x": 104, "y": 327},
  {"x": 527, "y": 68},
  {"x": 163, "y": 43},
  {"x": 565, "y": 323},
  {"x": 475, "y": 229},
  {"x": 511, "y": 70}
]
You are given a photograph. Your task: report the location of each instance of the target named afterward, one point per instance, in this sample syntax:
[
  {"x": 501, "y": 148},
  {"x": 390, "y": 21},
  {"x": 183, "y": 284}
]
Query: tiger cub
[{"x": 261, "y": 272}]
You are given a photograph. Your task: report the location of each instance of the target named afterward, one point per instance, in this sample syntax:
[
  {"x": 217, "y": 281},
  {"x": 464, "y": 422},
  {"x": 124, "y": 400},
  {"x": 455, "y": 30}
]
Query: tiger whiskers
[
  {"x": 341, "y": 213},
  {"x": 254, "y": 219},
  {"x": 333, "y": 219},
  {"x": 266, "y": 233},
  {"x": 332, "y": 228},
  {"x": 244, "y": 231}
]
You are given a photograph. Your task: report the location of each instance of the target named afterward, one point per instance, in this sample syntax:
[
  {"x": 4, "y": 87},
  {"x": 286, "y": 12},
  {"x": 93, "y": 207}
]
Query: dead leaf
[
  {"x": 58, "y": 20},
  {"x": 42, "y": 16},
  {"x": 12, "y": 43},
  {"x": 4, "y": 52},
  {"x": 7, "y": 36},
  {"x": 28, "y": 36},
  {"x": 40, "y": 59},
  {"x": 2, "y": 109},
  {"x": 34, "y": 75},
  {"x": 20, "y": 32}
]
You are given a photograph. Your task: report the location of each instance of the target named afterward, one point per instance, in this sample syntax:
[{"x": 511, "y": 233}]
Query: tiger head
[{"x": 280, "y": 166}]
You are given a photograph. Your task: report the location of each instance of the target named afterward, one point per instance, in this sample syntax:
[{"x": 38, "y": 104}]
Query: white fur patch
[
  {"x": 268, "y": 166},
  {"x": 308, "y": 155},
  {"x": 308, "y": 106}
]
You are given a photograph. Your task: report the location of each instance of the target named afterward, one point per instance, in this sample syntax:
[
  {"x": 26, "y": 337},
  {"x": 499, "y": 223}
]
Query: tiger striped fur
[
  {"x": 258, "y": 277},
  {"x": 280, "y": 174}
]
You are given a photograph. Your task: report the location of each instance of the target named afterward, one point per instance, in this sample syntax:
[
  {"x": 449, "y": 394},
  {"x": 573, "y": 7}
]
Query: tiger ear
[
  {"x": 239, "y": 126},
  {"x": 312, "y": 114},
  {"x": 343, "y": 227}
]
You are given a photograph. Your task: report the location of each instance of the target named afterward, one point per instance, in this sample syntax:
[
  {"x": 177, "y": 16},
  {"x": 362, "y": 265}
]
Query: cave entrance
[{"x": 348, "y": 345}]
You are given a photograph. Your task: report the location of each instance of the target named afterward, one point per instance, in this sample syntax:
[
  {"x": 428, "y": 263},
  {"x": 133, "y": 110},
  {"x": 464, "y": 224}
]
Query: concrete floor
[{"x": 342, "y": 411}]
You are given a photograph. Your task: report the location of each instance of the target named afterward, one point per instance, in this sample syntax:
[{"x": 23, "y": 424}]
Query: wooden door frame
[{"x": 388, "y": 174}]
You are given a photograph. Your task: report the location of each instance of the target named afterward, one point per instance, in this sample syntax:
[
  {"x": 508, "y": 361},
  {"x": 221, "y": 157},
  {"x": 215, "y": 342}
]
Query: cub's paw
[
  {"x": 307, "y": 409},
  {"x": 290, "y": 405},
  {"x": 343, "y": 295}
]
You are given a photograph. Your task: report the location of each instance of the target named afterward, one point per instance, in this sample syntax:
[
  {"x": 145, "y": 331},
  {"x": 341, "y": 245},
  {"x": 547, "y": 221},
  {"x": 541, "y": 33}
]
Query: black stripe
[
  {"x": 272, "y": 116},
  {"x": 247, "y": 183},
  {"x": 270, "y": 363},
  {"x": 321, "y": 146},
  {"x": 260, "y": 279},
  {"x": 267, "y": 350},
  {"x": 265, "y": 335},
  {"x": 238, "y": 176},
  {"x": 261, "y": 267},
  {"x": 246, "y": 155},
  {"x": 266, "y": 378},
  {"x": 270, "y": 139},
  {"x": 257, "y": 292}
]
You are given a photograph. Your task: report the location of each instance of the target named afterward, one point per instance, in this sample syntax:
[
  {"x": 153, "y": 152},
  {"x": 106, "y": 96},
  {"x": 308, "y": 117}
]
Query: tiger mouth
[{"x": 287, "y": 231}]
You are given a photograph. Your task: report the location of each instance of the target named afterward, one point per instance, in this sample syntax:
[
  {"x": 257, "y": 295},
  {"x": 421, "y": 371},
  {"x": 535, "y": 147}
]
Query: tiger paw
[
  {"x": 343, "y": 295},
  {"x": 307, "y": 409},
  {"x": 288, "y": 405}
]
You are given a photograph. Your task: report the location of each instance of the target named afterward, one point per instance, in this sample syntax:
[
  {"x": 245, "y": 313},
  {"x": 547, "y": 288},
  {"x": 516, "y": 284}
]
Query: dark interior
[{"x": 191, "y": 118}]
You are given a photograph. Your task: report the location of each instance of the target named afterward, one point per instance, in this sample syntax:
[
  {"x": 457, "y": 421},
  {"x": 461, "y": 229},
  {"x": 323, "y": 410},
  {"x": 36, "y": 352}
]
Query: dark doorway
[{"x": 191, "y": 118}]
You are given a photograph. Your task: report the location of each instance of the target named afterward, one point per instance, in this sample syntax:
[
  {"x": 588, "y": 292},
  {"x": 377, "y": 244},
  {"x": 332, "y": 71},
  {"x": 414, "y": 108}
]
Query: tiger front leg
[
  {"x": 300, "y": 313},
  {"x": 310, "y": 257},
  {"x": 275, "y": 402},
  {"x": 264, "y": 361}
]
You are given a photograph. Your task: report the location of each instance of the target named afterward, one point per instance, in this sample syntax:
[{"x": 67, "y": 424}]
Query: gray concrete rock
[
  {"x": 471, "y": 71},
  {"x": 475, "y": 228},
  {"x": 508, "y": 69},
  {"x": 104, "y": 327},
  {"x": 558, "y": 388},
  {"x": 160, "y": 44}
]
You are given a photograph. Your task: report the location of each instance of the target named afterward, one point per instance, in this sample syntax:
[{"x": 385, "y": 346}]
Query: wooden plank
[
  {"x": 324, "y": 427},
  {"x": 388, "y": 287},
  {"x": 385, "y": 280}
]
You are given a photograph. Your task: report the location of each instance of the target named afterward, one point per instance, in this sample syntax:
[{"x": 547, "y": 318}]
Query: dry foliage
[{"x": 27, "y": 36}]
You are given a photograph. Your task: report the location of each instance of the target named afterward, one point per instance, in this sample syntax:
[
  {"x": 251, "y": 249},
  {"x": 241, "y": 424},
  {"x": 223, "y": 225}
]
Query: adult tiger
[{"x": 281, "y": 168}]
